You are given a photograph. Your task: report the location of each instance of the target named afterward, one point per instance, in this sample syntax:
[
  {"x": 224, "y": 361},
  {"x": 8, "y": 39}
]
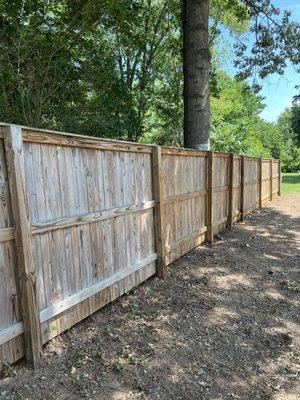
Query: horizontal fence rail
[{"x": 83, "y": 220}]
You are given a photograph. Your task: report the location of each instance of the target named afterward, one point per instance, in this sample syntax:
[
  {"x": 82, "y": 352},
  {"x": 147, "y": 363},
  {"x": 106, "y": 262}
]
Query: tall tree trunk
[{"x": 196, "y": 63}]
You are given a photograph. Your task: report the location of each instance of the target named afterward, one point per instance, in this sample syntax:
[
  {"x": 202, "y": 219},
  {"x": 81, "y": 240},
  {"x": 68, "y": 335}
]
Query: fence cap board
[
  {"x": 252, "y": 158},
  {"x": 121, "y": 145},
  {"x": 71, "y": 139},
  {"x": 182, "y": 151},
  {"x": 221, "y": 154}
]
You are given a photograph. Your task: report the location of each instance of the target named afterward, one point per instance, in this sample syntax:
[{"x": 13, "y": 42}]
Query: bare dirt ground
[{"x": 225, "y": 324}]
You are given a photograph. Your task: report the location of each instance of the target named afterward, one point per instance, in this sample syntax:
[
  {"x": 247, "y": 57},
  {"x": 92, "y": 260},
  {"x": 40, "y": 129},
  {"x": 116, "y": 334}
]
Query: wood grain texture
[
  {"x": 221, "y": 188},
  {"x": 260, "y": 182},
  {"x": 26, "y": 267},
  {"x": 90, "y": 291},
  {"x": 210, "y": 197},
  {"x": 230, "y": 191},
  {"x": 157, "y": 180},
  {"x": 48, "y": 137},
  {"x": 90, "y": 218},
  {"x": 271, "y": 180},
  {"x": 184, "y": 195},
  {"x": 280, "y": 178},
  {"x": 7, "y": 234},
  {"x": 175, "y": 151},
  {"x": 12, "y": 348},
  {"x": 251, "y": 181},
  {"x": 11, "y": 332},
  {"x": 242, "y": 191},
  {"x": 102, "y": 216}
]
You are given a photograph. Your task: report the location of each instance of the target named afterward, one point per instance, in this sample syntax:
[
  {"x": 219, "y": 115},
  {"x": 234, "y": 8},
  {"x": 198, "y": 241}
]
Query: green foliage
[
  {"x": 284, "y": 124},
  {"x": 87, "y": 67},
  {"x": 288, "y": 125},
  {"x": 295, "y": 123},
  {"x": 114, "y": 69},
  {"x": 290, "y": 157},
  {"x": 236, "y": 125},
  {"x": 276, "y": 41}
]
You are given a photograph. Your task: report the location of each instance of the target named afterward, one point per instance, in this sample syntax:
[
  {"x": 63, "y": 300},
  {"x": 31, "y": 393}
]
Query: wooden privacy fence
[{"x": 84, "y": 220}]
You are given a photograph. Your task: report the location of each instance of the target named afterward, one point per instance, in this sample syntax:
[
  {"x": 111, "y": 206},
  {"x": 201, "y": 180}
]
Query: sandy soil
[{"x": 225, "y": 324}]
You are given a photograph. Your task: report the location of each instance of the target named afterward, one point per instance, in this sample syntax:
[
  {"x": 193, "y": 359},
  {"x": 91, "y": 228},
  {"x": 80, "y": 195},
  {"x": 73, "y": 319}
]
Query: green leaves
[
  {"x": 236, "y": 125},
  {"x": 114, "y": 69},
  {"x": 289, "y": 126},
  {"x": 275, "y": 40}
]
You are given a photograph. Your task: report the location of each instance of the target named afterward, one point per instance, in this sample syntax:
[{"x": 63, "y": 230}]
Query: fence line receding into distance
[{"x": 84, "y": 220}]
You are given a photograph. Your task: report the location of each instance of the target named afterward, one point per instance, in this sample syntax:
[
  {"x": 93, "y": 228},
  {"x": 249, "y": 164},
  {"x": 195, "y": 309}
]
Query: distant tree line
[{"x": 288, "y": 125}]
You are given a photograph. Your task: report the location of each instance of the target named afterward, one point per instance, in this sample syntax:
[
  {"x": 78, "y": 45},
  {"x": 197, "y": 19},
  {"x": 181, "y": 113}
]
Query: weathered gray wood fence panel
[{"x": 106, "y": 215}]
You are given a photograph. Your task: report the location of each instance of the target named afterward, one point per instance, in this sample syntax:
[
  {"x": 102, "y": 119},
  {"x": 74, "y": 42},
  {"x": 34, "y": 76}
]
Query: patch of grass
[{"x": 291, "y": 183}]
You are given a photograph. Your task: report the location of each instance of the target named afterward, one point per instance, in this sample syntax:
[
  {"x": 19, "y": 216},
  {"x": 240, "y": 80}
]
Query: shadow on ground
[{"x": 224, "y": 325}]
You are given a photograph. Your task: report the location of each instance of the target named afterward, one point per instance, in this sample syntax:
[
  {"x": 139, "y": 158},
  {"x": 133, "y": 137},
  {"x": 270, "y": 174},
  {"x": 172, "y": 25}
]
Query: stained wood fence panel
[
  {"x": 275, "y": 176},
  {"x": 251, "y": 191},
  {"x": 220, "y": 190},
  {"x": 106, "y": 215},
  {"x": 236, "y": 202},
  {"x": 71, "y": 189},
  {"x": 266, "y": 174},
  {"x": 11, "y": 327},
  {"x": 184, "y": 196}
]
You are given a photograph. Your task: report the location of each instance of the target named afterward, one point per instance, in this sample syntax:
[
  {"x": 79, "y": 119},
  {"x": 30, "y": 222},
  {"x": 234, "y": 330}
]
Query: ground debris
[{"x": 223, "y": 325}]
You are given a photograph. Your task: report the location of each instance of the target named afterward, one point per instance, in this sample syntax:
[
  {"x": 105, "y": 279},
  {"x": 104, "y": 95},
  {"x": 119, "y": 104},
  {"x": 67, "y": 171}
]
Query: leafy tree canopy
[
  {"x": 113, "y": 68},
  {"x": 288, "y": 125}
]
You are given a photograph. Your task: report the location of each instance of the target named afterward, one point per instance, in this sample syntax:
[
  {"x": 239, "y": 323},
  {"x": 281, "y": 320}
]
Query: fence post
[
  {"x": 210, "y": 191},
  {"x": 23, "y": 241},
  {"x": 230, "y": 191},
  {"x": 242, "y": 186},
  {"x": 158, "y": 211},
  {"x": 260, "y": 181},
  {"x": 279, "y": 178},
  {"x": 271, "y": 180}
]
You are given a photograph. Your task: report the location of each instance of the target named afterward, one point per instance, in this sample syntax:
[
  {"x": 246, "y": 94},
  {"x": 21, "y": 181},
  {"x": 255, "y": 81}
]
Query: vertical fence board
[
  {"x": 279, "y": 178},
  {"x": 26, "y": 267},
  {"x": 260, "y": 182},
  {"x": 210, "y": 194},
  {"x": 11, "y": 327},
  {"x": 236, "y": 187},
  {"x": 230, "y": 190},
  {"x": 275, "y": 177},
  {"x": 242, "y": 186},
  {"x": 159, "y": 209},
  {"x": 99, "y": 217},
  {"x": 271, "y": 180}
]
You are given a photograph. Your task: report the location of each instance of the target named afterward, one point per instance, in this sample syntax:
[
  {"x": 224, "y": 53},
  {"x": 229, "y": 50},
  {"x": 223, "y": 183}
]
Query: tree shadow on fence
[{"x": 224, "y": 325}]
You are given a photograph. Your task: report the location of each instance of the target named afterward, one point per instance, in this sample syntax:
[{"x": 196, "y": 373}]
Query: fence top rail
[
  {"x": 182, "y": 151},
  {"x": 221, "y": 154},
  {"x": 38, "y": 135},
  {"x": 252, "y": 158},
  {"x": 48, "y": 136},
  {"x": 269, "y": 159}
]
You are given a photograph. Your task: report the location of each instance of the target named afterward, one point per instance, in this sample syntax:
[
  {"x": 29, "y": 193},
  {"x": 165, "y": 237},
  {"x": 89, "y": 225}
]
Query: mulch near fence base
[{"x": 223, "y": 325}]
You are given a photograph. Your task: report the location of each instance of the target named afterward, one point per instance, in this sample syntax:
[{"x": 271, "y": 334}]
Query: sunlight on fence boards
[{"x": 98, "y": 217}]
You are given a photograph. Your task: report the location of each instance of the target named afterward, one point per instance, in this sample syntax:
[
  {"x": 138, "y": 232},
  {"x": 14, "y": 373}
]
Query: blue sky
[{"x": 277, "y": 91}]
